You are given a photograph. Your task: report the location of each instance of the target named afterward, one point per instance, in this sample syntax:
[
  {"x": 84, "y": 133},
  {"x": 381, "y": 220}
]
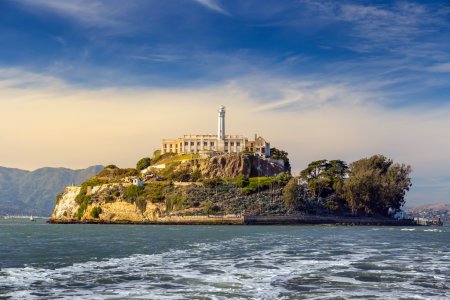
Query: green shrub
[
  {"x": 196, "y": 175},
  {"x": 169, "y": 170},
  {"x": 283, "y": 178},
  {"x": 155, "y": 191},
  {"x": 159, "y": 157},
  {"x": 174, "y": 201},
  {"x": 96, "y": 211},
  {"x": 111, "y": 167},
  {"x": 213, "y": 182},
  {"x": 241, "y": 181},
  {"x": 183, "y": 175},
  {"x": 132, "y": 192},
  {"x": 210, "y": 208},
  {"x": 80, "y": 212},
  {"x": 257, "y": 184},
  {"x": 143, "y": 163}
]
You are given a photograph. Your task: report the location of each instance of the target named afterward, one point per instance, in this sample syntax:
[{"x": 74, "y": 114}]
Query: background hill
[
  {"x": 431, "y": 207},
  {"x": 33, "y": 192},
  {"x": 437, "y": 210}
]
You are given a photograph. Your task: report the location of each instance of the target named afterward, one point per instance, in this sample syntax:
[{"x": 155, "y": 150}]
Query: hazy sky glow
[{"x": 86, "y": 82}]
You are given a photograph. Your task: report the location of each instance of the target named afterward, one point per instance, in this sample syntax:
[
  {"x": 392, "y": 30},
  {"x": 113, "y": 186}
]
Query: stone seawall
[
  {"x": 168, "y": 220},
  {"x": 325, "y": 220},
  {"x": 253, "y": 220}
]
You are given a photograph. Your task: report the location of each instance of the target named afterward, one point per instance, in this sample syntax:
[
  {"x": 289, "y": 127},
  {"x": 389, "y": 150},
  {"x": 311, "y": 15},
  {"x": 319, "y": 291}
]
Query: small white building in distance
[{"x": 220, "y": 143}]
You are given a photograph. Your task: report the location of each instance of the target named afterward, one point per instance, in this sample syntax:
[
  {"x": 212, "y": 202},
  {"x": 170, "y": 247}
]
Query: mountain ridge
[{"x": 25, "y": 192}]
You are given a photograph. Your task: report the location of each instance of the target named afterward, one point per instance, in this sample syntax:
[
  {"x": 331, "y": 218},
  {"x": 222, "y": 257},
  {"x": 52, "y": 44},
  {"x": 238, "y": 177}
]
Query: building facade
[{"x": 220, "y": 143}]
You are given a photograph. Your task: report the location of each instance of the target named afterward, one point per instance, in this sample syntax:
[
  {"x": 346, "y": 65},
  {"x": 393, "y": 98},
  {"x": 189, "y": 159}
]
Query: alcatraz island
[{"x": 230, "y": 179}]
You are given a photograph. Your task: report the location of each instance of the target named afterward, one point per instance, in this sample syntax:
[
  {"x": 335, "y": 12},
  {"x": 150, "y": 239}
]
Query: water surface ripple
[{"x": 41, "y": 261}]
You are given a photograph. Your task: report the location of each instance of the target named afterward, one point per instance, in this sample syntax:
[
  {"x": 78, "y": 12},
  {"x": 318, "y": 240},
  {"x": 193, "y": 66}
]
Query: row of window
[
  {"x": 198, "y": 144},
  {"x": 238, "y": 144},
  {"x": 205, "y": 144}
]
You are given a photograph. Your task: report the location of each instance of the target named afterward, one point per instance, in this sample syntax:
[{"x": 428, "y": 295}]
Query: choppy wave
[{"x": 264, "y": 266}]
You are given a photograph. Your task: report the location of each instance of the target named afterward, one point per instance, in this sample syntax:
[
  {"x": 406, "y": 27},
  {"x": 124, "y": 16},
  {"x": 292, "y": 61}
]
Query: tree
[
  {"x": 289, "y": 193},
  {"x": 376, "y": 185},
  {"x": 283, "y": 155},
  {"x": 143, "y": 163},
  {"x": 324, "y": 177}
]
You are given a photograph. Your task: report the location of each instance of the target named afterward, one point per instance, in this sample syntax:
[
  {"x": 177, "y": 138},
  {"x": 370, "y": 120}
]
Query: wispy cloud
[
  {"x": 94, "y": 13},
  {"x": 157, "y": 57},
  {"x": 213, "y": 5},
  {"x": 440, "y": 68}
]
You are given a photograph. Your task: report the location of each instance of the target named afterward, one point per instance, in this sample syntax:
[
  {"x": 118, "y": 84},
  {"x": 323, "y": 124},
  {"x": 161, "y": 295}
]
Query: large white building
[{"x": 220, "y": 143}]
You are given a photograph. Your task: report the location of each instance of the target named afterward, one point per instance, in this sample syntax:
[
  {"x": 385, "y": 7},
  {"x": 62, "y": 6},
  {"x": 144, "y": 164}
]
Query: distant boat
[{"x": 32, "y": 219}]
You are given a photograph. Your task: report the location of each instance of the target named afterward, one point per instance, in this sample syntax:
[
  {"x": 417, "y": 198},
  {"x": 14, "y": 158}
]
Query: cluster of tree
[{"x": 369, "y": 186}]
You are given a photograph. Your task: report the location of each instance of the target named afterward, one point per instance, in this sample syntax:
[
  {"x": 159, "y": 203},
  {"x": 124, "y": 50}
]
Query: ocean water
[{"x": 42, "y": 261}]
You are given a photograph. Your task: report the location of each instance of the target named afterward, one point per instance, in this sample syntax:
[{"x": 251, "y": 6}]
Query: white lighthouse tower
[
  {"x": 221, "y": 125},
  {"x": 221, "y": 129}
]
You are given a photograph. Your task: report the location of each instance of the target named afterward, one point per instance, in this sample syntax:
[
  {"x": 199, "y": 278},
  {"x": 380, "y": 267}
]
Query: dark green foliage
[
  {"x": 241, "y": 181},
  {"x": 376, "y": 185},
  {"x": 174, "y": 201},
  {"x": 132, "y": 192},
  {"x": 169, "y": 170},
  {"x": 83, "y": 206},
  {"x": 80, "y": 212},
  {"x": 114, "y": 174},
  {"x": 154, "y": 191},
  {"x": 157, "y": 156},
  {"x": 278, "y": 154},
  {"x": 143, "y": 163},
  {"x": 112, "y": 167},
  {"x": 181, "y": 174},
  {"x": 210, "y": 208},
  {"x": 83, "y": 199},
  {"x": 196, "y": 175},
  {"x": 94, "y": 181},
  {"x": 213, "y": 182},
  {"x": 324, "y": 177},
  {"x": 290, "y": 194},
  {"x": 96, "y": 211},
  {"x": 283, "y": 155},
  {"x": 371, "y": 186},
  {"x": 257, "y": 184}
]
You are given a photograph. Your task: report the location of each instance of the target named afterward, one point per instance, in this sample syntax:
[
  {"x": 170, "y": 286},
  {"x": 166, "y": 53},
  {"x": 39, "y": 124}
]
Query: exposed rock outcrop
[
  {"x": 224, "y": 166},
  {"x": 182, "y": 191}
]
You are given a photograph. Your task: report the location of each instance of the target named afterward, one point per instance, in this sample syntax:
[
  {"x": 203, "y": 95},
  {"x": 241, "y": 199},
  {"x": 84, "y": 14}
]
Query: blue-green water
[{"x": 42, "y": 261}]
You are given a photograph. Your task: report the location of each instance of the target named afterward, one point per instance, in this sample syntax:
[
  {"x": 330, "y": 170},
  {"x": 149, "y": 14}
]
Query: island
[{"x": 229, "y": 179}]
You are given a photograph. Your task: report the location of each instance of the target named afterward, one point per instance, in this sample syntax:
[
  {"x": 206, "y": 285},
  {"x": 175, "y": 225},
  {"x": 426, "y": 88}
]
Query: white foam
[{"x": 239, "y": 268}]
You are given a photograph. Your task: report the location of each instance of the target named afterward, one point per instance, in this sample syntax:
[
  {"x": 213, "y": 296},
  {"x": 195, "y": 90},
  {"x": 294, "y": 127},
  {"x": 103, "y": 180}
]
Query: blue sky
[
  {"x": 376, "y": 74},
  {"x": 400, "y": 48}
]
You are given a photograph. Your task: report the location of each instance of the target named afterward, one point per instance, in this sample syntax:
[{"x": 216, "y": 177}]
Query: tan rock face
[
  {"x": 66, "y": 208},
  {"x": 226, "y": 166},
  {"x": 223, "y": 166},
  {"x": 117, "y": 211}
]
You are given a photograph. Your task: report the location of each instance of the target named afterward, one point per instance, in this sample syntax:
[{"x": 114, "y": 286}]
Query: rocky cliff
[
  {"x": 219, "y": 189},
  {"x": 221, "y": 166}
]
